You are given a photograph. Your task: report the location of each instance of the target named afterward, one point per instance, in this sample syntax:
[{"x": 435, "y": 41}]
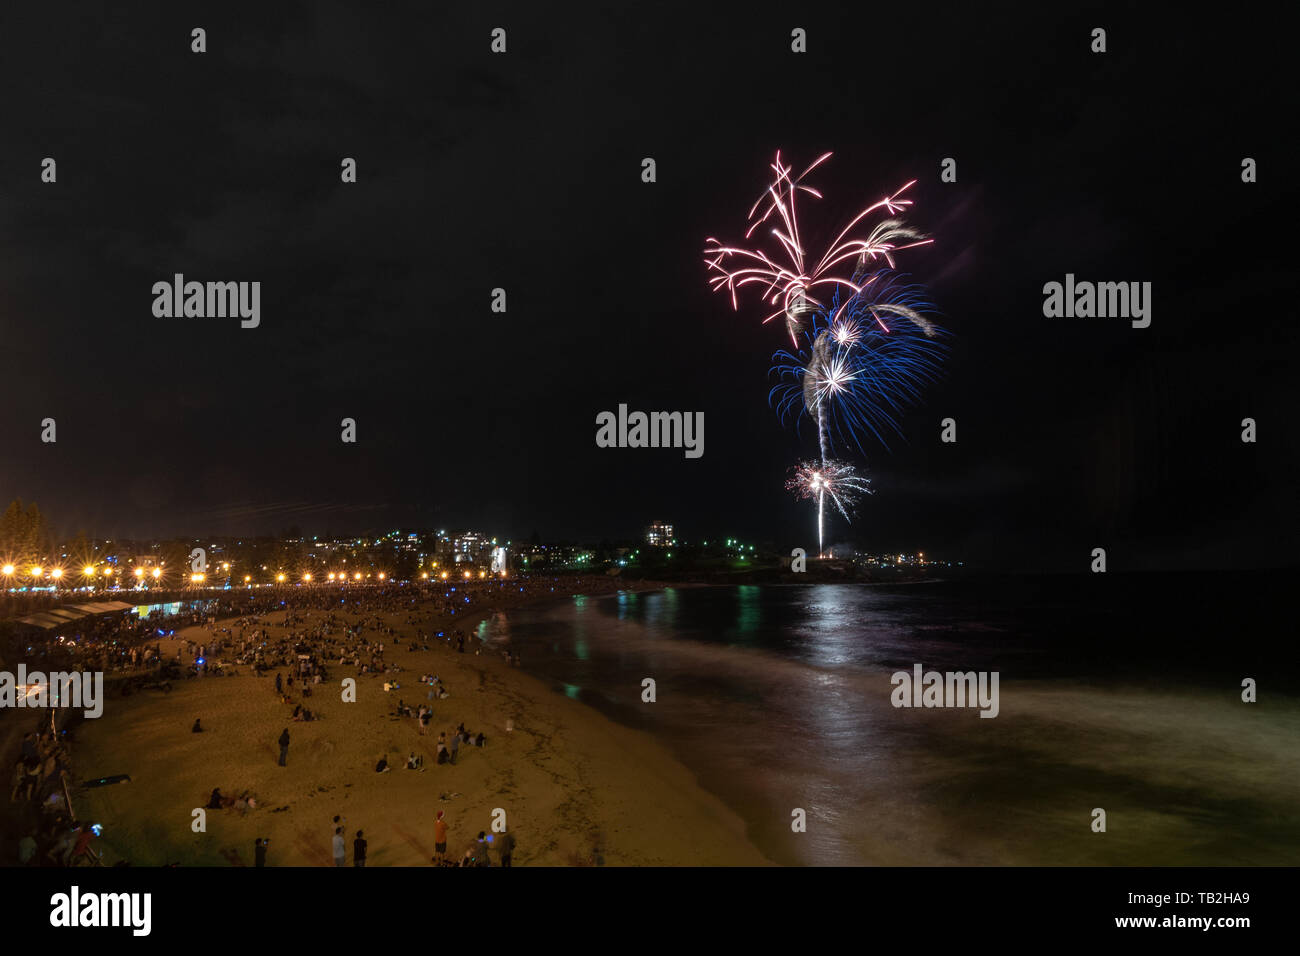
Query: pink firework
[{"x": 792, "y": 281}]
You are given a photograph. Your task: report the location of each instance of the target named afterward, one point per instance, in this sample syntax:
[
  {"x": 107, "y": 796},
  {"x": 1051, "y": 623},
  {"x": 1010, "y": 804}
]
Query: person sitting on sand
[
  {"x": 196, "y": 729},
  {"x": 480, "y": 740},
  {"x": 214, "y": 801},
  {"x": 415, "y": 761},
  {"x": 382, "y": 766}
]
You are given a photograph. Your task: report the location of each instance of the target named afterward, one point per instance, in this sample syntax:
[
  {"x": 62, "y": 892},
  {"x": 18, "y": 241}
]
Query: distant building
[
  {"x": 659, "y": 535},
  {"x": 470, "y": 546}
]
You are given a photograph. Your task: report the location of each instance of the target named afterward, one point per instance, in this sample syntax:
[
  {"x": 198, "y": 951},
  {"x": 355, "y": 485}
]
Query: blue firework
[{"x": 862, "y": 361}]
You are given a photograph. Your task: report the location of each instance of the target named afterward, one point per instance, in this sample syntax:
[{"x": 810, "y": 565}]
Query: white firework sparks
[{"x": 838, "y": 479}]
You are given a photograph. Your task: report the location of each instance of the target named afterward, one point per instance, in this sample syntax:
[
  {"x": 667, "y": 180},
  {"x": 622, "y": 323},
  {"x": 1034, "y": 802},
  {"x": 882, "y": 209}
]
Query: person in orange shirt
[{"x": 440, "y": 838}]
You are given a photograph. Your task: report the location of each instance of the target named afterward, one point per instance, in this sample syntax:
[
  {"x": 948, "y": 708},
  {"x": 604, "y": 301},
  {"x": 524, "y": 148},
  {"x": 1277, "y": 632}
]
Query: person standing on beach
[
  {"x": 506, "y": 846},
  {"x": 359, "y": 850},
  {"x": 82, "y": 846},
  {"x": 440, "y": 837},
  {"x": 279, "y": 684},
  {"x": 259, "y": 852},
  {"x": 340, "y": 854},
  {"x": 455, "y": 747},
  {"x": 284, "y": 746}
]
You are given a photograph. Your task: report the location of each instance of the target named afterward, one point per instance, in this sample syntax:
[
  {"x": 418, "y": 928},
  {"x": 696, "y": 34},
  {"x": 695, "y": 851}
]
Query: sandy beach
[{"x": 568, "y": 779}]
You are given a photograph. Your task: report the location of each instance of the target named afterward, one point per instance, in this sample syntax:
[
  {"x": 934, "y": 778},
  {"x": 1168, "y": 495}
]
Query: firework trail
[
  {"x": 838, "y": 479},
  {"x": 789, "y": 278}
]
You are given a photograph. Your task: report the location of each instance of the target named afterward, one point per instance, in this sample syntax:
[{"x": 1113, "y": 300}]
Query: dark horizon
[{"x": 478, "y": 171}]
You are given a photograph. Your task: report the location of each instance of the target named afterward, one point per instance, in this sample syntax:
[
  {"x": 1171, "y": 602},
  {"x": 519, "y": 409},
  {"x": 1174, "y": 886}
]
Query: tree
[
  {"x": 24, "y": 533},
  {"x": 11, "y": 530}
]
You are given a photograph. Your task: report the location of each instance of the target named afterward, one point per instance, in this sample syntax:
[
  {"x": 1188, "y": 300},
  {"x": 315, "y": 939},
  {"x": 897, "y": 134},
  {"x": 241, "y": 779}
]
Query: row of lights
[
  {"x": 9, "y": 570},
  {"x": 37, "y": 571}
]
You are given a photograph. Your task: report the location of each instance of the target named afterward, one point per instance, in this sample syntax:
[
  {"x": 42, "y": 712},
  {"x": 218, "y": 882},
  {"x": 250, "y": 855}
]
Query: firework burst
[
  {"x": 795, "y": 283},
  {"x": 837, "y": 480},
  {"x": 862, "y": 344},
  {"x": 861, "y": 364}
]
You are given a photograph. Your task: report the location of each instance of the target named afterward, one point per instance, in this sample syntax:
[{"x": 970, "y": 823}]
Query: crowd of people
[
  {"x": 50, "y": 837},
  {"x": 303, "y": 636}
]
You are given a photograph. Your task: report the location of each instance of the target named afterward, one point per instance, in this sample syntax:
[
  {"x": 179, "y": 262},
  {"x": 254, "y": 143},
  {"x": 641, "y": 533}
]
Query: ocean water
[{"x": 1115, "y": 693}]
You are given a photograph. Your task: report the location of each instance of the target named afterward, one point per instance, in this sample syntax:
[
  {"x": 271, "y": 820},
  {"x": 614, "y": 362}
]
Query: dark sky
[{"x": 523, "y": 171}]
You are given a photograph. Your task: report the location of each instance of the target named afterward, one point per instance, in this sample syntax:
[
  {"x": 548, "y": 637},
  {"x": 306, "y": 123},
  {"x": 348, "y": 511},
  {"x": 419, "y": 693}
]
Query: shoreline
[{"x": 568, "y": 778}]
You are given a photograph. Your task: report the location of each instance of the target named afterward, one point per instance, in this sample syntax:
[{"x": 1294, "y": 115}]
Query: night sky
[{"x": 522, "y": 171}]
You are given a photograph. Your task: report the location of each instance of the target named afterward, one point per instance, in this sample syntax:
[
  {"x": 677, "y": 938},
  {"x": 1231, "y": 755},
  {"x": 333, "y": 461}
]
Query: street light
[
  {"x": 157, "y": 573},
  {"x": 8, "y": 570},
  {"x": 88, "y": 571},
  {"x": 56, "y": 573},
  {"x": 307, "y": 578}
]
